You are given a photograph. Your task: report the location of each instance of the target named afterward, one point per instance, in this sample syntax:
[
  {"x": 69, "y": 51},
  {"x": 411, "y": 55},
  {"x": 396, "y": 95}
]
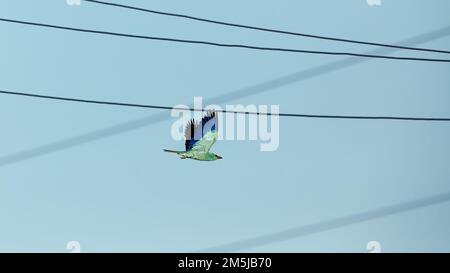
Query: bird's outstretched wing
[{"x": 200, "y": 136}]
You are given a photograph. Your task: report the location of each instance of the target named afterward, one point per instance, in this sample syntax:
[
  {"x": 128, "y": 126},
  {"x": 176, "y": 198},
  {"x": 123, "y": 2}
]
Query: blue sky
[{"x": 122, "y": 193}]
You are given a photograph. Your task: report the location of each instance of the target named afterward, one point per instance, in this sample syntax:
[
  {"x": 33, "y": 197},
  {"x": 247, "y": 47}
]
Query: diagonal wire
[
  {"x": 331, "y": 224},
  {"x": 263, "y": 87},
  {"x": 189, "y": 17},
  {"x": 162, "y": 107},
  {"x": 197, "y": 42}
]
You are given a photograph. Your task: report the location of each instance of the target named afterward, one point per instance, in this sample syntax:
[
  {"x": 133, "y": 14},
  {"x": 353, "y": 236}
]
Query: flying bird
[{"x": 200, "y": 137}]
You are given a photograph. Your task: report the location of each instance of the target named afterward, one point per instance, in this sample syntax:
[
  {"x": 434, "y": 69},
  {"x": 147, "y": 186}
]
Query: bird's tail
[{"x": 172, "y": 151}]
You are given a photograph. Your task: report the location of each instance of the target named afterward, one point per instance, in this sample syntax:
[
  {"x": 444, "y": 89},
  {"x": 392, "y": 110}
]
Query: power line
[
  {"x": 278, "y": 49},
  {"x": 266, "y": 86},
  {"x": 266, "y": 29},
  {"x": 331, "y": 224},
  {"x": 219, "y": 110}
]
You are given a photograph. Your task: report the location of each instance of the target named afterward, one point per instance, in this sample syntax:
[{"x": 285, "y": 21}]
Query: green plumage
[{"x": 200, "y": 137}]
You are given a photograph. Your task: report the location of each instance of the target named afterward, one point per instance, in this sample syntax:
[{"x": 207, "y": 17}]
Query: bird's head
[{"x": 217, "y": 156}]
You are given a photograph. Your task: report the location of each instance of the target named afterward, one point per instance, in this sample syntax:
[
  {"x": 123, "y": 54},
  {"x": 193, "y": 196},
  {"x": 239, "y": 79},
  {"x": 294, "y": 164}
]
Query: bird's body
[{"x": 200, "y": 136}]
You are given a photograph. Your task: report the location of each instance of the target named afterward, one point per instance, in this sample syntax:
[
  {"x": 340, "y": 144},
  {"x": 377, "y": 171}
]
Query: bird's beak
[{"x": 218, "y": 157}]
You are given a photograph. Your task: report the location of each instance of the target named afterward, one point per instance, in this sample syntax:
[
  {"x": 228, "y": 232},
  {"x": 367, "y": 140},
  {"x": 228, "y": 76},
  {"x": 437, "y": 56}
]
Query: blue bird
[{"x": 200, "y": 137}]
